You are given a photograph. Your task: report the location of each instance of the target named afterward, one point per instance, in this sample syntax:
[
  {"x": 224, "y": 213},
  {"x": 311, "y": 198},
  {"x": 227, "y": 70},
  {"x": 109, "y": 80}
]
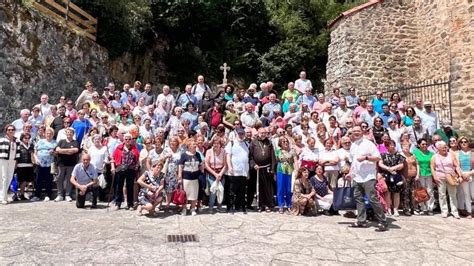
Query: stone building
[{"x": 387, "y": 44}]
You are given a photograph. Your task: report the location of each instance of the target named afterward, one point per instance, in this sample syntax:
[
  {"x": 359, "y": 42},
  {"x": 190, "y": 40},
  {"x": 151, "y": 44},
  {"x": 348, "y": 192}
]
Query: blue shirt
[
  {"x": 44, "y": 149},
  {"x": 385, "y": 118},
  {"x": 377, "y": 103},
  {"x": 185, "y": 98},
  {"x": 309, "y": 100},
  {"x": 81, "y": 128}
]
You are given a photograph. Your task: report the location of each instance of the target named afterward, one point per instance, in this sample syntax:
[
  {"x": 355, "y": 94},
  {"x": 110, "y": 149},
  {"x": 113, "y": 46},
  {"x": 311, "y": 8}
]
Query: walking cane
[{"x": 258, "y": 181}]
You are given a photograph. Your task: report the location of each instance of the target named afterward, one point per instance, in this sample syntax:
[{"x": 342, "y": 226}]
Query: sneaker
[
  {"x": 444, "y": 215},
  {"x": 389, "y": 213},
  {"x": 59, "y": 198},
  {"x": 46, "y": 198},
  {"x": 193, "y": 213},
  {"x": 395, "y": 213},
  {"x": 456, "y": 215},
  {"x": 68, "y": 199},
  {"x": 35, "y": 199},
  {"x": 115, "y": 208}
]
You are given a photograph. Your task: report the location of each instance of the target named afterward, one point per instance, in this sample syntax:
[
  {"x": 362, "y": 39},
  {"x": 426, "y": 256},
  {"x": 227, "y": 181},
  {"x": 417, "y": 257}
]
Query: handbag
[
  {"x": 344, "y": 198},
  {"x": 452, "y": 179},
  {"x": 179, "y": 197},
  {"x": 420, "y": 194},
  {"x": 101, "y": 181}
]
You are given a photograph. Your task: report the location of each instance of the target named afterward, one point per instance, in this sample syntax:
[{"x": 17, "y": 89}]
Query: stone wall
[
  {"x": 388, "y": 43},
  {"x": 39, "y": 56}
]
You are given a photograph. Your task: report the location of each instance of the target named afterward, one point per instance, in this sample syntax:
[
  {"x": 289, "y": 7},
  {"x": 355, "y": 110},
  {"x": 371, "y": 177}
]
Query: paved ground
[{"x": 49, "y": 232}]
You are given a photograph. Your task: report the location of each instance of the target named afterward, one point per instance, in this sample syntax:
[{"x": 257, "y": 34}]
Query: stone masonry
[
  {"x": 382, "y": 44},
  {"x": 38, "y": 56}
]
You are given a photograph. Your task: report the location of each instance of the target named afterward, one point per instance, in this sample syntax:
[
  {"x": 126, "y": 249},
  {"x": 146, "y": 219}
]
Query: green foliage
[
  {"x": 260, "y": 40},
  {"x": 121, "y": 24}
]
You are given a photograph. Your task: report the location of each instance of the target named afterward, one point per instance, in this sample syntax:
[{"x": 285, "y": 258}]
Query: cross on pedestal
[{"x": 225, "y": 68}]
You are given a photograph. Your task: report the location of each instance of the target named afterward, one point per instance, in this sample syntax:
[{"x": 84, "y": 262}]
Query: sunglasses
[
  {"x": 463, "y": 141},
  {"x": 11, "y": 129}
]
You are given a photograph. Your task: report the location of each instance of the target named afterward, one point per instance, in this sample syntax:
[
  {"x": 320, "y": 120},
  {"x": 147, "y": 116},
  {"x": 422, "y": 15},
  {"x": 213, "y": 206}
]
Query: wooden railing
[{"x": 69, "y": 13}]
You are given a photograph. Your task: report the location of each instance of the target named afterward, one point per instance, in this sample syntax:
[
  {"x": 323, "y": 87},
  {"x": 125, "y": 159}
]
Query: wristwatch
[{"x": 366, "y": 158}]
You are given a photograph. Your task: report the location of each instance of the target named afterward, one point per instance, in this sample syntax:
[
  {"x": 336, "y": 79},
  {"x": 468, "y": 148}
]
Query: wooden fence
[{"x": 69, "y": 13}]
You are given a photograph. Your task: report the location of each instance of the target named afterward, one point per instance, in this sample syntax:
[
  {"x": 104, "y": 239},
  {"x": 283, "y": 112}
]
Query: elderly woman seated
[
  {"x": 303, "y": 195},
  {"x": 151, "y": 193},
  {"x": 324, "y": 196}
]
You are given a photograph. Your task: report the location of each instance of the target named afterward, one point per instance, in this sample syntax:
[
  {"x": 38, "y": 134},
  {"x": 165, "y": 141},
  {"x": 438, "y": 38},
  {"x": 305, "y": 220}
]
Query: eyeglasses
[
  {"x": 127, "y": 139},
  {"x": 147, "y": 143},
  {"x": 346, "y": 143},
  {"x": 363, "y": 126},
  {"x": 65, "y": 122},
  {"x": 391, "y": 122}
]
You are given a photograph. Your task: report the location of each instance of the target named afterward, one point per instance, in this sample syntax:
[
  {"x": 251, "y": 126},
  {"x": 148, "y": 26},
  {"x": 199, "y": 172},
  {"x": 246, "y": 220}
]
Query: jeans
[
  {"x": 44, "y": 179},
  {"x": 443, "y": 203},
  {"x": 64, "y": 180},
  {"x": 120, "y": 178},
  {"x": 368, "y": 188},
  {"x": 427, "y": 182},
  {"x": 283, "y": 190},
  {"x": 212, "y": 196},
  {"x": 81, "y": 199}
]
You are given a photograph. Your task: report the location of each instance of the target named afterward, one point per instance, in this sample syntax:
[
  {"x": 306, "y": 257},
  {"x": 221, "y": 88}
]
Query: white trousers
[
  {"x": 326, "y": 203},
  {"x": 7, "y": 168},
  {"x": 427, "y": 182},
  {"x": 443, "y": 203},
  {"x": 465, "y": 195}
]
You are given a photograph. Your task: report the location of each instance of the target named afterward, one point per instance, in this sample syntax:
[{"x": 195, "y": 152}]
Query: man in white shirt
[
  {"x": 365, "y": 156},
  {"x": 249, "y": 118},
  {"x": 168, "y": 97},
  {"x": 302, "y": 83},
  {"x": 45, "y": 107},
  {"x": 342, "y": 112},
  {"x": 429, "y": 118},
  {"x": 200, "y": 87},
  {"x": 24, "y": 115}
]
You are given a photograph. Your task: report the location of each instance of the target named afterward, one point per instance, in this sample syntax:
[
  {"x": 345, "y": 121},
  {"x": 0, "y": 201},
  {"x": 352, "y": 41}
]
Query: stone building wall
[
  {"x": 39, "y": 56},
  {"x": 386, "y": 43},
  {"x": 373, "y": 48}
]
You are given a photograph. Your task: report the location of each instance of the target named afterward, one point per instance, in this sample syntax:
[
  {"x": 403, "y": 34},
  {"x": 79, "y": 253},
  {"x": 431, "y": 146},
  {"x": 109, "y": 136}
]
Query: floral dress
[
  {"x": 301, "y": 205},
  {"x": 145, "y": 196},
  {"x": 171, "y": 180}
]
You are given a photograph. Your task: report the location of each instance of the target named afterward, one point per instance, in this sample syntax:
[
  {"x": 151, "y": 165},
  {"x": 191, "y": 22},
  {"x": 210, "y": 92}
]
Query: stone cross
[{"x": 225, "y": 68}]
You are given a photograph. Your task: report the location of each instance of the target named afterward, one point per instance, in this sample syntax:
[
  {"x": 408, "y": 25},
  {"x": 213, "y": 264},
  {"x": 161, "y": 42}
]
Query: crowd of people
[{"x": 240, "y": 148}]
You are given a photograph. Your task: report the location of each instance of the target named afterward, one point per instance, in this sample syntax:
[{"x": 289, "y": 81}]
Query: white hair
[{"x": 440, "y": 144}]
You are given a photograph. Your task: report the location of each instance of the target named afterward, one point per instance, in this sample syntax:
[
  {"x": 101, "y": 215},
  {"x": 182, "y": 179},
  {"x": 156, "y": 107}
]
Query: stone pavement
[{"x": 50, "y": 232}]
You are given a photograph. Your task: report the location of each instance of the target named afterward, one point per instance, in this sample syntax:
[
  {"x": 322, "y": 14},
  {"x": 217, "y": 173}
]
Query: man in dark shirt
[
  {"x": 67, "y": 150},
  {"x": 58, "y": 123}
]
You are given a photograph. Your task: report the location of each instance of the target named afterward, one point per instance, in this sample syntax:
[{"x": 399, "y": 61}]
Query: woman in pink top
[
  {"x": 442, "y": 164},
  {"x": 215, "y": 164},
  {"x": 319, "y": 105},
  {"x": 360, "y": 109}
]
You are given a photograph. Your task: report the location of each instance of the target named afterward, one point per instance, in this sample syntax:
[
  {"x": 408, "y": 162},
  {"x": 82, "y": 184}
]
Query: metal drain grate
[{"x": 182, "y": 238}]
